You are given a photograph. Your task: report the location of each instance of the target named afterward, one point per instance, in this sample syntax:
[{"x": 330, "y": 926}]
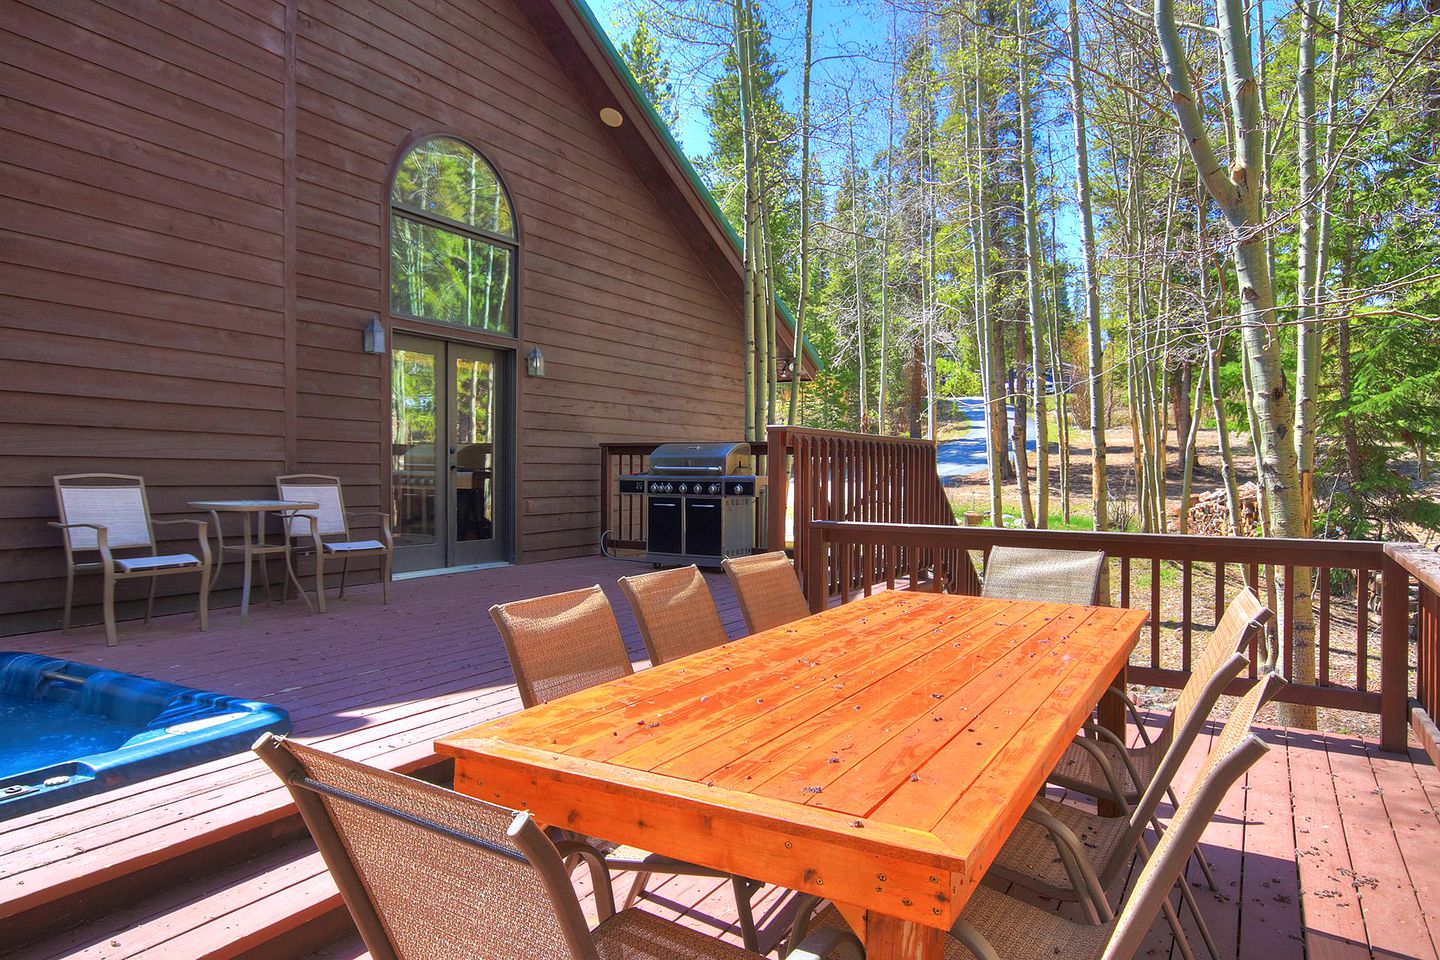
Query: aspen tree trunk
[
  {"x": 1322, "y": 252},
  {"x": 1057, "y": 366},
  {"x": 1098, "y": 482},
  {"x": 1307, "y": 353},
  {"x": 880, "y": 404},
  {"x": 1239, "y": 200},
  {"x": 988, "y": 387},
  {"x": 772, "y": 330},
  {"x": 1018, "y": 438},
  {"x": 751, "y": 430},
  {"x": 1033, "y": 257},
  {"x": 859, "y": 282},
  {"x": 1188, "y": 456},
  {"x": 995, "y": 401},
  {"x": 799, "y": 350}
]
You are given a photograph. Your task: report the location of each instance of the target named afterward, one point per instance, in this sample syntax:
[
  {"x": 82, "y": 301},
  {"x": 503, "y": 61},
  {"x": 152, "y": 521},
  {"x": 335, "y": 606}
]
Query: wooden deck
[{"x": 1332, "y": 849}]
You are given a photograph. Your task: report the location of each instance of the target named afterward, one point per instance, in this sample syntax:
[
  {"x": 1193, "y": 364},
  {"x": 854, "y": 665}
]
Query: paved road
[{"x": 958, "y": 458}]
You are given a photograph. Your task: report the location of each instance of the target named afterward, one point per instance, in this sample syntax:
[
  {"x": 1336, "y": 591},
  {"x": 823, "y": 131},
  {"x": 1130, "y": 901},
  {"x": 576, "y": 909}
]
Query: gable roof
[{"x": 580, "y": 44}]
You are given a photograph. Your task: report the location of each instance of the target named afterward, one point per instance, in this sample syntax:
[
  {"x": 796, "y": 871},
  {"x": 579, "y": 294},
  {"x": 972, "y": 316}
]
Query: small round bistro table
[{"x": 254, "y": 545}]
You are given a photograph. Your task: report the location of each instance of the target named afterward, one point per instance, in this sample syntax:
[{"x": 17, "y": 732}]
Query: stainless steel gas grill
[{"x": 699, "y": 502}]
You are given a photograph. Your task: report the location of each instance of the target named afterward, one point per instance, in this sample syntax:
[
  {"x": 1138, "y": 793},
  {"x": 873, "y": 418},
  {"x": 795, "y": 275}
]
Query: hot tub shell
[{"x": 173, "y": 727}]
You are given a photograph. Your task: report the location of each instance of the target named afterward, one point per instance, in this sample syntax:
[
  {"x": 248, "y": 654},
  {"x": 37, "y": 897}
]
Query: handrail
[
  {"x": 838, "y": 544},
  {"x": 1404, "y": 562}
]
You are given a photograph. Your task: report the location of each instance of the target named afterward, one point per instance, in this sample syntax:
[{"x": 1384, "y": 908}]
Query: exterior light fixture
[
  {"x": 611, "y": 117},
  {"x": 375, "y": 336},
  {"x": 535, "y": 362}
]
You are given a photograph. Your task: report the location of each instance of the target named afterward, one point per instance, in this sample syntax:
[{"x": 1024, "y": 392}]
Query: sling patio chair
[
  {"x": 1094, "y": 851},
  {"x": 325, "y": 531},
  {"x": 1054, "y": 576},
  {"x": 768, "y": 590},
  {"x": 1102, "y": 765},
  {"x": 102, "y": 513},
  {"x": 1080, "y": 770},
  {"x": 430, "y": 874},
  {"x": 675, "y": 612},
  {"x": 567, "y": 642},
  {"x": 994, "y": 926}
]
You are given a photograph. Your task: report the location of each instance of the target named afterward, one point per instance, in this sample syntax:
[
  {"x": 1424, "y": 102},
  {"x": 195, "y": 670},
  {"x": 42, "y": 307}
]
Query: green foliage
[{"x": 642, "y": 54}]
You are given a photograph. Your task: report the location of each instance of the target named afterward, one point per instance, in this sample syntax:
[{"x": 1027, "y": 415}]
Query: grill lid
[{"x": 718, "y": 458}]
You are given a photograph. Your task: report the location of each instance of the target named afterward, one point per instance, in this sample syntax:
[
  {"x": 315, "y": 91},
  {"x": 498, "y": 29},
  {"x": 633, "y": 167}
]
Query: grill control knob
[
  {"x": 739, "y": 489},
  {"x": 684, "y": 488},
  {"x": 714, "y": 488}
]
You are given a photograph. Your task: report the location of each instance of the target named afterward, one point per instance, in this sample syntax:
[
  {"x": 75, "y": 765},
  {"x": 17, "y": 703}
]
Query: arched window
[{"x": 452, "y": 239}]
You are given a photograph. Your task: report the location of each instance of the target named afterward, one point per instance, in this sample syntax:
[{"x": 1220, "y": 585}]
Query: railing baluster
[
  {"x": 1219, "y": 591},
  {"x": 1322, "y": 629},
  {"x": 1362, "y": 629},
  {"x": 1154, "y": 613},
  {"x": 1186, "y": 587},
  {"x": 1287, "y": 631},
  {"x": 1125, "y": 582},
  {"x": 865, "y": 560}
]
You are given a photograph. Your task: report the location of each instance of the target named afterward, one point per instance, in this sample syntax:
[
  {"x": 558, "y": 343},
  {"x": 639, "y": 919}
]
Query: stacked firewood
[{"x": 1210, "y": 513}]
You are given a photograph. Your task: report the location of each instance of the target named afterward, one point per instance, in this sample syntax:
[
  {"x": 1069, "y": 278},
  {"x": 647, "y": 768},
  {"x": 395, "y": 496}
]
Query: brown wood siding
[
  {"x": 141, "y": 265},
  {"x": 193, "y": 206}
]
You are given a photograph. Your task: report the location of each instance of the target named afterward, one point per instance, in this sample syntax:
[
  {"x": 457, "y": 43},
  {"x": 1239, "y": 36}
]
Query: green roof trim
[{"x": 668, "y": 139}]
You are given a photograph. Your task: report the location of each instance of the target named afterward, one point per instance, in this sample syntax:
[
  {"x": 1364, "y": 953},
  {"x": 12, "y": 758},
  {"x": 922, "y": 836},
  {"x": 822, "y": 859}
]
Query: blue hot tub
[{"x": 69, "y": 729}]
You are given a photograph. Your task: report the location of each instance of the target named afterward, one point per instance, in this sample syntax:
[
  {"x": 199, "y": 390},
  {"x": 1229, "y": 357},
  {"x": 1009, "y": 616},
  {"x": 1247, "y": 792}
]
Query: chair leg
[
  {"x": 108, "y": 601},
  {"x": 637, "y": 888},
  {"x": 344, "y": 572},
  {"x": 385, "y": 572},
  {"x": 204, "y": 600},
  {"x": 1181, "y": 941},
  {"x": 69, "y": 598},
  {"x": 320, "y": 579},
  {"x": 744, "y": 890},
  {"x": 150, "y": 602}
]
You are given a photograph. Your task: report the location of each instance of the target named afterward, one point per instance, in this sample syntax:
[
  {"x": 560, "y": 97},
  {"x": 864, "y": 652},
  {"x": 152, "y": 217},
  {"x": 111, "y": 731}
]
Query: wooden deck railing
[
  {"x": 847, "y": 546},
  {"x": 857, "y": 477},
  {"x": 1407, "y": 563}
]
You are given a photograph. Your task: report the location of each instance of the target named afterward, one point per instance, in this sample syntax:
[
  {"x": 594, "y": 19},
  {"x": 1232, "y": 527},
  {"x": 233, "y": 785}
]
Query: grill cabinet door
[
  {"x": 703, "y": 525},
  {"x": 665, "y": 520}
]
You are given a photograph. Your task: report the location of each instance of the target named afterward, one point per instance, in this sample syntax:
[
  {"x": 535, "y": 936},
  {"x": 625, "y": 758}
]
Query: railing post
[
  {"x": 605, "y": 494},
  {"x": 817, "y": 570},
  {"x": 777, "y": 485},
  {"x": 1394, "y": 650}
]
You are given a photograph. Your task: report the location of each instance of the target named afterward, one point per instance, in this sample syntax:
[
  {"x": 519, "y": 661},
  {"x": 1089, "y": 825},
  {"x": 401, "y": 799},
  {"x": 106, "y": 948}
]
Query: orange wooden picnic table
[{"x": 876, "y": 754}]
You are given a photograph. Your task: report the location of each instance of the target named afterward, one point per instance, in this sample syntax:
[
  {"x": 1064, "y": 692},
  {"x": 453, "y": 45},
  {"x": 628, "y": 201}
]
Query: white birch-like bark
[{"x": 1033, "y": 255}]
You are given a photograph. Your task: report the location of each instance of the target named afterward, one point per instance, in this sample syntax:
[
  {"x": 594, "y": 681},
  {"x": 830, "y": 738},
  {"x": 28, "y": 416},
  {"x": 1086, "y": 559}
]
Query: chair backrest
[
  {"x": 429, "y": 874},
  {"x": 1054, "y": 576},
  {"x": 1242, "y": 617},
  {"x": 1228, "y": 762},
  {"x": 675, "y": 612},
  {"x": 561, "y": 643},
  {"x": 318, "y": 489},
  {"x": 114, "y": 501},
  {"x": 768, "y": 590}
]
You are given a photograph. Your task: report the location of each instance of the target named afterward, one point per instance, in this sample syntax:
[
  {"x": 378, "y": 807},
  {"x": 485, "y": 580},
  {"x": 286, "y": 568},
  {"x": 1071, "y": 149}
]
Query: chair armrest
[
  {"x": 1117, "y": 792},
  {"x": 828, "y": 942},
  {"x": 1134, "y": 710},
  {"x": 102, "y": 539},
  {"x": 599, "y": 873},
  {"x": 973, "y": 939},
  {"x": 385, "y": 533},
  {"x": 202, "y": 533},
  {"x": 1077, "y": 862}
]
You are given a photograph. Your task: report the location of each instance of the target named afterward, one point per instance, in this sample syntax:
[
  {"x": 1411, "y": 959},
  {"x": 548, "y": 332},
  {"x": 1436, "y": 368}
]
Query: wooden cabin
[{"x": 439, "y": 249}]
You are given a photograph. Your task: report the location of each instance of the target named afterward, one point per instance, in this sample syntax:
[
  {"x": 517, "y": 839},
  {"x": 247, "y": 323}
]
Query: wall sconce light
[
  {"x": 611, "y": 117},
  {"x": 375, "y": 336},
  {"x": 535, "y": 362}
]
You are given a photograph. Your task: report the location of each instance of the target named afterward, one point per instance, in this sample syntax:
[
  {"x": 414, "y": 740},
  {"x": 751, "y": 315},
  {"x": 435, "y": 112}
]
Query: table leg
[
  {"x": 220, "y": 552},
  {"x": 890, "y": 938},
  {"x": 1112, "y": 718},
  {"x": 249, "y": 561}
]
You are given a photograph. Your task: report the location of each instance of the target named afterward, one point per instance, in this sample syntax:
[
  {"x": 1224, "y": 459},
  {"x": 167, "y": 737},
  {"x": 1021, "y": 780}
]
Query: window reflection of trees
[{"x": 452, "y": 239}]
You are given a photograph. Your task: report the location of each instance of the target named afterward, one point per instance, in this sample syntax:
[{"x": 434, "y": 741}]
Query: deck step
[
  {"x": 173, "y": 862},
  {"x": 281, "y": 905}
]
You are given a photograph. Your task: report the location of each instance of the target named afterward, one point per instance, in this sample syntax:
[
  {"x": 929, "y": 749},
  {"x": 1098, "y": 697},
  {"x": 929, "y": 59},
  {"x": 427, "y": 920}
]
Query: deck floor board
[{"x": 1295, "y": 851}]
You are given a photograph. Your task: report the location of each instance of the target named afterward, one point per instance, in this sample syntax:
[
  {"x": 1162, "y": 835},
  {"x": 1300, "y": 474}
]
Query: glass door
[{"x": 449, "y": 455}]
